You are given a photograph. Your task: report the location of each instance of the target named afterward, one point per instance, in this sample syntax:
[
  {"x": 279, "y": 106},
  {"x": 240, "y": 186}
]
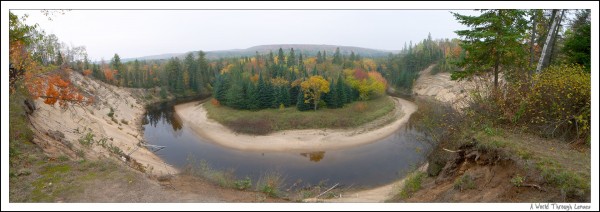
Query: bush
[
  {"x": 111, "y": 113},
  {"x": 215, "y": 102},
  {"x": 464, "y": 182},
  {"x": 560, "y": 101},
  {"x": 270, "y": 183},
  {"x": 87, "y": 139},
  {"x": 412, "y": 184},
  {"x": 243, "y": 184},
  {"x": 555, "y": 103}
]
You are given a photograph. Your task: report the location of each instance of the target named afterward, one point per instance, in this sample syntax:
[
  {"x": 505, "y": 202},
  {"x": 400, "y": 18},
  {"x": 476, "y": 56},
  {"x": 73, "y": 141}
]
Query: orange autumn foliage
[
  {"x": 87, "y": 72},
  {"x": 215, "y": 102},
  {"x": 54, "y": 89}
]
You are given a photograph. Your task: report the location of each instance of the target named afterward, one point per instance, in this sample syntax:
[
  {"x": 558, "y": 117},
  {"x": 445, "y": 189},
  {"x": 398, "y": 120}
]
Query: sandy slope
[
  {"x": 194, "y": 115},
  {"x": 442, "y": 88},
  {"x": 75, "y": 122}
]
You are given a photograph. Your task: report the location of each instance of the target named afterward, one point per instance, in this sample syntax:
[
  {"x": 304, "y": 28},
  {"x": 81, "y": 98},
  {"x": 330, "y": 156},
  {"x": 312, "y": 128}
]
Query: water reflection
[
  {"x": 164, "y": 113},
  {"x": 372, "y": 164},
  {"x": 314, "y": 156}
]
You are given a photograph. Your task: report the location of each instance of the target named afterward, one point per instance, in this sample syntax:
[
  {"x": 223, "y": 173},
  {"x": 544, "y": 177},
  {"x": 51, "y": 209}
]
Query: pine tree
[
  {"x": 494, "y": 40},
  {"x": 291, "y": 59},
  {"x": 280, "y": 56},
  {"x": 220, "y": 88},
  {"x": 331, "y": 98},
  {"x": 235, "y": 96},
  {"x": 265, "y": 94},
  {"x": 300, "y": 104},
  {"x": 252, "y": 102},
  {"x": 337, "y": 57},
  {"x": 341, "y": 90},
  {"x": 319, "y": 57}
]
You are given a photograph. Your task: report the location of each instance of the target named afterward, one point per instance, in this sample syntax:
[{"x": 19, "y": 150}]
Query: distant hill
[{"x": 306, "y": 49}]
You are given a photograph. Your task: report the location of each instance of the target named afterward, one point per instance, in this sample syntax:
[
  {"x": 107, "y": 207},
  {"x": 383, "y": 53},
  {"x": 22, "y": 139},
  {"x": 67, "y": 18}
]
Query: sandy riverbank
[
  {"x": 59, "y": 131},
  {"x": 194, "y": 115}
]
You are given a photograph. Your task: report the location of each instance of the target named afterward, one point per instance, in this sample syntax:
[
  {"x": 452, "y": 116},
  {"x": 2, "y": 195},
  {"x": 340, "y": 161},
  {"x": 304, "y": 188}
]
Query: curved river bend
[{"x": 369, "y": 165}]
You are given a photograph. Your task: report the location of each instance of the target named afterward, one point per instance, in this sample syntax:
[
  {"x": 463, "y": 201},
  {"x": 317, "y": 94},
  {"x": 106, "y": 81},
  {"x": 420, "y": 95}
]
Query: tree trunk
[
  {"x": 496, "y": 66},
  {"x": 546, "y": 52},
  {"x": 553, "y": 44},
  {"x": 316, "y": 103},
  {"x": 531, "y": 51}
]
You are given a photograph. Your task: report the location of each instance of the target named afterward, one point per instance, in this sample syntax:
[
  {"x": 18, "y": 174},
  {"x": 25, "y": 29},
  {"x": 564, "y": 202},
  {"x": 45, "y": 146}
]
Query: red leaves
[
  {"x": 53, "y": 88},
  {"x": 359, "y": 74},
  {"x": 87, "y": 72}
]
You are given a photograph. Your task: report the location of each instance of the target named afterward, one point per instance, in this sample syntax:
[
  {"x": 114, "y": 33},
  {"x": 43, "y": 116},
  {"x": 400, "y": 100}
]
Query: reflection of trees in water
[
  {"x": 314, "y": 156},
  {"x": 165, "y": 114}
]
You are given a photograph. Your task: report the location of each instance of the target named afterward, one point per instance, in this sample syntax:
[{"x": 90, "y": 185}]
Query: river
[{"x": 365, "y": 166}]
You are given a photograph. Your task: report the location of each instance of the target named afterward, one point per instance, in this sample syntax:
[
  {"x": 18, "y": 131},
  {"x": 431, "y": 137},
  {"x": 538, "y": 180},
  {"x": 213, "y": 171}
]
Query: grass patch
[
  {"x": 464, "y": 182},
  {"x": 203, "y": 169},
  {"x": 270, "y": 183},
  {"x": 268, "y": 120},
  {"x": 411, "y": 185}
]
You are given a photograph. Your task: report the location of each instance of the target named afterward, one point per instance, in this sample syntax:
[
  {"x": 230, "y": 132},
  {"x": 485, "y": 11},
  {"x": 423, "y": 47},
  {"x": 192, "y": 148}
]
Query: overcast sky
[{"x": 136, "y": 33}]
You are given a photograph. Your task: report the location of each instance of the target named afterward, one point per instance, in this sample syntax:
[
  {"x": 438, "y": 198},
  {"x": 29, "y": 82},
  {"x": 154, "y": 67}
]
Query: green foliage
[
  {"x": 270, "y": 183},
  {"x": 560, "y": 101},
  {"x": 494, "y": 39},
  {"x": 368, "y": 84},
  {"x": 87, "y": 140},
  {"x": 412, "y": 184},
  {"x": 577, "y": 44},
  {"x": 244, "y": 184},
  {"x": 19, "y": 132},
  {"x": 268, "y": 120},
  {"x": 301, "y": 104},
  {"x": 464, "y": 182},
  {"x": 517, "y": 180},
  {"x": 111, "y": 113}
]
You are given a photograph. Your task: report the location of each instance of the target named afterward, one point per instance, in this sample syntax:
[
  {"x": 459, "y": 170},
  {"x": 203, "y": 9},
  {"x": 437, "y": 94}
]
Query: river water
[{"x": 369, "y": 165}]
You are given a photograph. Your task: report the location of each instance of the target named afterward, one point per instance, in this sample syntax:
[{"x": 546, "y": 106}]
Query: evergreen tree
[
  {"x": 300, "y": 104},
  {"x": 293, "y": 93},
  {"x": 271, "y": 57},
  {"x": 341, "y": 90},
  {"x": 235, "y": 96},
  {"x": 319, "y": 57},
  {"x": 577, "y": 45},
  {"x": 494, "y": 40},
  {"x": 291, "y": 59},
  {"x": 220, "y": 88},
  {"x": 265, "y": 94},
  {"x": 252, "y": 102},
  {"x": 337, "y": 57},
  {"x": 332, "y": 98},
  {"x": 281, "y": 57}
]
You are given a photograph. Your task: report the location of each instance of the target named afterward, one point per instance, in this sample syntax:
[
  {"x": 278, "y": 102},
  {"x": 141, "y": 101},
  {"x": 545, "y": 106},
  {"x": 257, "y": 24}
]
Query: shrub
[
  {"x": 517, "y": 181},
  {"x": 215, "y": 102},
  {"x": 560, "y": 101},
  {"x": 243, "y": 184},
  {"x": 412, "y": 184},
  {"x": 87, "y": 140},
  {"x": 464, "y": 182},
  {"x": 111, "y": 113},
  {"x": 270, "y": 183}
]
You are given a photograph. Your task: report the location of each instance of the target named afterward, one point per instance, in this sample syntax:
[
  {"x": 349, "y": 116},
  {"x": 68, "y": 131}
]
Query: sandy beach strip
[{"x": 194, "y": 115}]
